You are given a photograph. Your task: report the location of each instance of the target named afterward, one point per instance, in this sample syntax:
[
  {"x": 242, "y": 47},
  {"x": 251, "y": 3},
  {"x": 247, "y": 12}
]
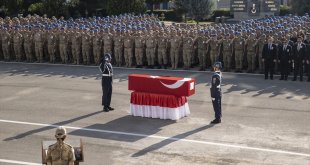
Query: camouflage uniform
[
  {"x": 18, "y": 42},
  {"x": 51, "y": 46},
  {"x": 188, "y": 46},
  {"x": 118, "y": 49},
  {"x": 76, "y": 48},
  {"x": 202, "y": 44},
  {"x": 128, "y": 50},
  {"x": 139, "y": 50},
  {"x": 86, "y": 47},
  {"x": 6, "y": 44},
  {"x": 63, "y": 47},
  {"x": 239, "y": 44},
  {"x": 251, "y": 53},
  {"x": 97, "y": 47},
  {"x": 38, "y": 44},
  {"x": 108, "y": 43},
  {"x": 227, "y": 53},
  {"x": 176, "y": 45},
  {"x": 28, "y": 45},
  {"x": 162, "y": 51},
  {"x": 214, "y": 50},
  {"x": 150, "y": 50}
]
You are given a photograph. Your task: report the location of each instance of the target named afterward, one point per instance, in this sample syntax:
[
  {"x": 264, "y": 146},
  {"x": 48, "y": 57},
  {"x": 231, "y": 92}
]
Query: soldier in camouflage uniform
[
  {"x": 251, "y": 52},
  {"x": 97, "y": 47},
  {"x": 6, "y": 44},
  {"x": 139, "y": 49},
  {"x": 60, "y": 153},
  {"x": 128, "y": 49},
  {"x": 214, "y": 48},
  {"x": 202, "y": 45},
  {"x": 118, "y": 48},
  {"x": 261, "y": 42},
  {"x": 28, "y": 45},
  {"x": 38, "y": 45},
  {"x": 176, "y": 46},
  {"x": 63, "y": 46},
  {"x": 108, "y": 43},
  {"x": 227, "y": 52},
  {"x": 162, "y": 50},
  {"x": 239, "y": 45},
  {"x": 76, "y": 47},
  {"x": 150, "y": 49},
  {"x": 18, "y": 42},
  {"x": 51, "y": 45},
  {"x": 188, "y": 47},
  {"x": 86, "y": 47}
]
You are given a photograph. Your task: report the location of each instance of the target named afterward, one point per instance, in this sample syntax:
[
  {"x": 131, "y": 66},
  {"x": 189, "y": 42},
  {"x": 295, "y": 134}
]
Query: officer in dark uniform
[
  {"x": 299, "y": 58},
  {"x": 285, "y": 55},
  {"x": 106, "y": 82},
  {"x": 216, "y": 93},
  {"x": 269, "y": 56},
  {"x": 307, "y": 42}
]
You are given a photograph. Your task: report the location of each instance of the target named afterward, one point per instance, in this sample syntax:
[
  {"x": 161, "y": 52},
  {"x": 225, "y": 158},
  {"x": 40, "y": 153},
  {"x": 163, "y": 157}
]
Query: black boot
[
  {"x": 105, "y": 109},
  {"x": 216, "y": 121}
]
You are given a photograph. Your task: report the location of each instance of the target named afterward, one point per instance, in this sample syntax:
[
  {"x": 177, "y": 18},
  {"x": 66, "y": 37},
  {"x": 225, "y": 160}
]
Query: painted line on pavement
[
  {"x": 164, "y": 138},
  {"x": 18, "y": 162}
]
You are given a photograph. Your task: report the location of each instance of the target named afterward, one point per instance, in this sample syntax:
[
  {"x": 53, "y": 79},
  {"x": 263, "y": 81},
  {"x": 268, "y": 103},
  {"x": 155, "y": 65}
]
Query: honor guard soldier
[
  {"x": 269, "y": 57},
  {"x": 106, "y": 82},
  {"x": 216, "y": 93},
  {"x": 60, "y": 153},
  {"x": 285, "y": 55}
]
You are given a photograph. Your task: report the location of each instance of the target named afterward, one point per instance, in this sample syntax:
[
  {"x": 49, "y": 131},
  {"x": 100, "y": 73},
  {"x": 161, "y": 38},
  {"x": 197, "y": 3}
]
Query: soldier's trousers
[
  {"x": 202, "y": 55},
  {"x": 308, "y": 71},
  {"x": 213, "y": 56},
  {"x": 107, "y": 50},
  {"x": 238, "y": 59},
  {"x": 76, "y": 53},
  {"x": 52, "y": 53},
  {"x": 6, "y": 52},
  {"x": 39, "y": 51},
  {"x": 28, "y": 52},
  {"x": 162, "y": 56},
  {"x": 251, "y": 56},
  {"x": 18, "y": 52},
  {"x": 187, "y": 57},
  {"x": 150, "y": 55},
  {"x": 118, "y": 52},
  {"x": 128, "y": 54},
  {"x": 174, "y": 55},
  {"x": 217, "y": 107},
  {"x": 139, "y": 56},
  {"x": 227, "y": 56},
  {"x": 97, "y": 53},
  {"x": 106, "y": 84},
  {"x": 63, "y": 53},
  {"x": 86, "y": 55}
]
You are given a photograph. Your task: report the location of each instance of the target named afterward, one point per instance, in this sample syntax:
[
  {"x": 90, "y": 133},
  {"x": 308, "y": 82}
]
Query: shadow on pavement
[
  {"x": 170, "y": 140},
  {"x": 126, "y": 129},
  {"x": 19, "y": 136}
]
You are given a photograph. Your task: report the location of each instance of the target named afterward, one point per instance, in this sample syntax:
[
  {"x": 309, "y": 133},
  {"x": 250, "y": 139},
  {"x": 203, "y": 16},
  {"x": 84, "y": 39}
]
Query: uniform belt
[{"x": 107, "y": 75}]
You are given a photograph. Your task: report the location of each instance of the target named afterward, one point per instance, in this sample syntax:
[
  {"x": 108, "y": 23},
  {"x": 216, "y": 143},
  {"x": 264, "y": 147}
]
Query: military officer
[
  {"x": 60, "y": 153},
  {"x": 216, "y": 93},
  {"x": 285, "y": 55},
  {"x": 106, "y": 82}
]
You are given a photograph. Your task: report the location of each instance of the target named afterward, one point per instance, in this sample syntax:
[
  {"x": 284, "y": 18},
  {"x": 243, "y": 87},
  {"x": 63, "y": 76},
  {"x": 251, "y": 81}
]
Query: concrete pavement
[{"x": 264, "y": 121}]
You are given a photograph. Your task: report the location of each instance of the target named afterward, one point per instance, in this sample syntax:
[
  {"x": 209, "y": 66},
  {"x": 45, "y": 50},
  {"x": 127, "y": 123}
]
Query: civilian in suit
[{"x": 269, "y": 57}]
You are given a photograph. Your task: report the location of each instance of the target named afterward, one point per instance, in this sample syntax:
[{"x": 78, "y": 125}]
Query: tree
[
  {"x": 115, "y": 7},
  {"x": 300, "y": 7},
  {"x": 12, "y": 7},
  {"x": 197, "y": 9}
]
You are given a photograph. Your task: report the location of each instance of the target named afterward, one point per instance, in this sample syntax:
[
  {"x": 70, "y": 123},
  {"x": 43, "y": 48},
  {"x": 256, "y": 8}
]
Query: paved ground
[{"x": 264, "y": 122}]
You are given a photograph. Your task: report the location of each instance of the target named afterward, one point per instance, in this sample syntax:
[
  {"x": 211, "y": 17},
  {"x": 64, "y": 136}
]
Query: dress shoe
[
  {"x": 110, "y": 108},
  {"x": 106, "y": 109},
  {"x": 216, "y": 121}
]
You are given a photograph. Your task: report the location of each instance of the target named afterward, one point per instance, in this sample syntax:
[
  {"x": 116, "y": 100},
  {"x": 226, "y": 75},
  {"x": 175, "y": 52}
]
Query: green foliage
[
  {"x": 285, "y": 10},
  {"x": 12, "y": 7},
  {"x": 36, "y": 8},
  {"x": 115, "y": 7}
]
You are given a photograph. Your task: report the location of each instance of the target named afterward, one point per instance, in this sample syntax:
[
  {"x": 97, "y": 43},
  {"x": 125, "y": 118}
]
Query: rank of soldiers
[{"x": 144, "y": 41}]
